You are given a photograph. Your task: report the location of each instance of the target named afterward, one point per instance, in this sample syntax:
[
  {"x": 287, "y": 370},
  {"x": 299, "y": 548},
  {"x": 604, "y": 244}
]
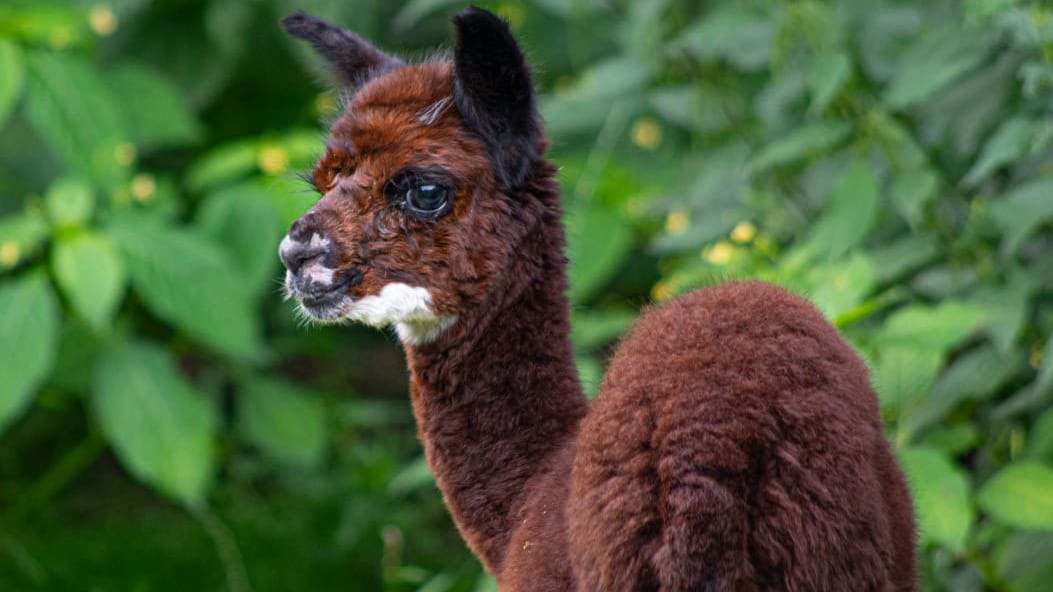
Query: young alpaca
[{"x": 735, "y": 444}]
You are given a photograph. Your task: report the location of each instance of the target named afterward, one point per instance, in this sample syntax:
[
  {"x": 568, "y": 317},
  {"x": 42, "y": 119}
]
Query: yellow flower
[
  {"x": 744, "y": 232},
  {"x": 647, "y": 134},
  {"x": 143, "y": 187},
  {"x": 273, "y": 160},
  {"x": 9, "y": 253},
  {"x": 102, "y": 20},
  {"x": 718, "y": 254},
  {"x": 677, "y": 222}
]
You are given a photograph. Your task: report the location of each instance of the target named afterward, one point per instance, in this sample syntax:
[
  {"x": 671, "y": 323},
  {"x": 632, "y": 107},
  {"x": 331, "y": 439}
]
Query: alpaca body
[{"x": 736, "y": 442}]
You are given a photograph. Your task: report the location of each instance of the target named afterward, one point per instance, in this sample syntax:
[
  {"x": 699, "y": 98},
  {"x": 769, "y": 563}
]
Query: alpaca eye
[{"x": 427, "y": 200}]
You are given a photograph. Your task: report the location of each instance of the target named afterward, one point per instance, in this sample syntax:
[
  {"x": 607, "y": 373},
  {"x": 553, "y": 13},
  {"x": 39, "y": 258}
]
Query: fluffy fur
[{"x": 735, "y": 443}]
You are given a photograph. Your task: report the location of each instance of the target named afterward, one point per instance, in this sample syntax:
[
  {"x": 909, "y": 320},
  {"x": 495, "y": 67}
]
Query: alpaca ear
[
  {"x": 351, "y": 58},
  {"x": 494, "y": 93}
]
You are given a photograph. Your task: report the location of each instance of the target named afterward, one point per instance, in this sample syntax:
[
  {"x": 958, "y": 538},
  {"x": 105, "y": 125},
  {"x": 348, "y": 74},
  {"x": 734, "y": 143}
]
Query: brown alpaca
[{"x": 735, "y": 444}]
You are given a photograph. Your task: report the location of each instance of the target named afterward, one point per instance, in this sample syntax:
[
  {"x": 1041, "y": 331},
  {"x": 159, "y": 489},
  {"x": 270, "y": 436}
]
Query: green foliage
[{"x": 888, "y": 159}]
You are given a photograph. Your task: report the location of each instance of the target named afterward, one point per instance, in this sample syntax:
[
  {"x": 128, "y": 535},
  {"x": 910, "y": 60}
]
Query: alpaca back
[{"x": 736, "y": 444}]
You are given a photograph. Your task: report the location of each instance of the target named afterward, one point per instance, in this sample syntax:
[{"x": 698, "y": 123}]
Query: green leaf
[
  {"x": 189, "y": 282},
  {"x": 223, "y": 164},
  {"x": 941, "y": 497},
  {"x": 161, "y": 428},
  {"x": 156, "y": 110},
  {"x": 89, "y": 269},
  {"x": 1025, "y": 562},
  {"x": 29, "y": 326},
  {"x": 590, "y": 371},
  {"x": 413, "y": 476},
  {"x": 849, "y": 215},
  {"x": 735, "y": 34},
  {"x": 12, "y": 78},
  {"x": 1009, "y": 143},
  {"x": 243, "y": 220},
  {"x": 416, "y": 10},
  {"x": 810, "y": 139},
  {"x": 1040, "y": 440},
  {"x": 1021, "y": 211},
  {"x": 76, "y": 115},
  {"x": 826, "y": 77},
  {"x": 598, "y": 241},
  {"x": 937, "y": 59},
  {"x": 285, "y": 421},
  {"x": 840, "y": 287},
  {"x": 1020, "y": 496},
  {"x": 20, "y": 236},
  {"x": 911, "y": 192},
  {"x": 905, "y": 374},
  {"x": 975, "y": 375},
  {"x": 932, "y": 328},
  {"x": 591, "y": 330},
  {"x": 69, "y": 202}
]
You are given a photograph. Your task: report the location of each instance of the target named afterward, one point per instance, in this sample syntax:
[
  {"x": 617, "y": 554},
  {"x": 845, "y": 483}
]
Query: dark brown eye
[{"x": 427, "y": 200}]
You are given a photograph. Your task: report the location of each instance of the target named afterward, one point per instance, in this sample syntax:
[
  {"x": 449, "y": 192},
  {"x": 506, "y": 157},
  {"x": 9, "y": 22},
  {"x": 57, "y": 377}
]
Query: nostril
[{"x": 294, "y": 253}]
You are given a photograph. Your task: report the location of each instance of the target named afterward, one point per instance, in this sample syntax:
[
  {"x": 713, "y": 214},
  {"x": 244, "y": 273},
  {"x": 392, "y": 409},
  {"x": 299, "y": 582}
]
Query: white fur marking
[{"x": 407, "y": 307}]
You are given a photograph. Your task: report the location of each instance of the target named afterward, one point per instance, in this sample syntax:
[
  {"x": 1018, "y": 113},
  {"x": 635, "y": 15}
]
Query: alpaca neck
[{"x": 498, "y": 393}]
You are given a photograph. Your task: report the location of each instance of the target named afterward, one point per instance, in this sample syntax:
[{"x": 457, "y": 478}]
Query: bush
[{"x": 887, "y": 159}]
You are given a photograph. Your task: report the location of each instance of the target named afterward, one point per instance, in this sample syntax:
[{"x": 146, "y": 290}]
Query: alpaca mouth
[{"x": 321, "y": 301}]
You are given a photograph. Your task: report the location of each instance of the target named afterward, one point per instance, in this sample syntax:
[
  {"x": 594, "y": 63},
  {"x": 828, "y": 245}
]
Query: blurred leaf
[
  {"x": 12, "y": 78},
  {"x": 953, "y": 441},
  {"x": 72, "y": 110},
  {"x": 242, "y": 219},
  {"x": 693, "y": 107},
  {"x": 45, "y": 23},
  {"x": 595, "y": 329},
  {"x": 941, "y": 497},
  {"x": 590, "y": 372},
  {"x": 586, "y": 104},
  {"x": 826, "y": 77},
  {"x": 1026, "y": 561},
  {"x": 1021, "y": 211},
  {"x": 160, "y": 427},
  {"x": 839, "y": 287},
  {"x": 413, "y": 476},
  {"x": 89, "y": 269},
  {"x": 975, "y": 375},
  {"x": 189, "y": 282},
  {"x": 286, "y": 422},
  {"x": 20, "y": 236},
  {"x": 899, "y": 257},
  {"x": 1020, "y": 496},
  {"x": 414, "y": 11},
  {"x": 1040, "y": 443},
  {"x": 69, "y": 202},
  {"x": 736, "y": 34},
  {"x": 804, "y": 141},
  {"x": 849, "y": 213},
  {"x": 597, "y": 242},
  {"x": 910, "y": 193},
  {"x": 223, "y": 164},
  {"x": 905, "y": 374},
  {"x": 936, "y": 60},
  {"x": 155, "y": 109},
  {"x": 485, "y": 583},
  {"x": 934, "y": 329},
  {"x": 29, "y": 324},
  {"x": 1010, "y": 142}
]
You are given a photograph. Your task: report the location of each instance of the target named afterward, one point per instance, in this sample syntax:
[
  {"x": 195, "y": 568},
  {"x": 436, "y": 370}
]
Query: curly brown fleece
[{"x": 735, "y": 443}]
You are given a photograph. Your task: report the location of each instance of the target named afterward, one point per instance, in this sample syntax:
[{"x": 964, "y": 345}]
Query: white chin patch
[{"x": 406, "y": 307}]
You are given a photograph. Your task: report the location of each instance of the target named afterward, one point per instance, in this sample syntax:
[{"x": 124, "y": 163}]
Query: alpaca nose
[{"x": 302, "y": 245}]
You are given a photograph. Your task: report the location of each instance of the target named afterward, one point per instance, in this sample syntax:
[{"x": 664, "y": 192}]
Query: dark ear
[
  {"x": 494, "y": 93},
  {"x": 350, "y": 57}
]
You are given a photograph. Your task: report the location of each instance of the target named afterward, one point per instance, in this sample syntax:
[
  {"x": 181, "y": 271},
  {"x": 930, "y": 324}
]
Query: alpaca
[{"x": 735, "y": 443}]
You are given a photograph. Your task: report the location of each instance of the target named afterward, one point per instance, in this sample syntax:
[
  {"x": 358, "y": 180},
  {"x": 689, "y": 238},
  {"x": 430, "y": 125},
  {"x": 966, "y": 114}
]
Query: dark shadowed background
[{"x": 167, "y": 424}]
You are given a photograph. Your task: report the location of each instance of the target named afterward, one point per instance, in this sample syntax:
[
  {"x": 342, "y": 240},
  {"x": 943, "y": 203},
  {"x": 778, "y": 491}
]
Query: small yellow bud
[
  {"x": 718, "y": 254},
  {"x": 124, "y": 153},
  {"x": 647, "y": 133},
  {"x": 1036, "y": 357},
  {"x": 102, "y": 20},
  {"x": 273, "y": 160},
  {"x": 677, "y": 222},
  {"x": 143, "y": 187},
  {"x": 9, "y": 253},
  {"x": 661, "y": 292},
  {"x": 744, "y": 232}
]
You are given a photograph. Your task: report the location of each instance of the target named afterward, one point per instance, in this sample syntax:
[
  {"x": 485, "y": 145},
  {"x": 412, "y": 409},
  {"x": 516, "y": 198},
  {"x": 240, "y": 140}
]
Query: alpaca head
[{"x": 421, "y": 182}]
